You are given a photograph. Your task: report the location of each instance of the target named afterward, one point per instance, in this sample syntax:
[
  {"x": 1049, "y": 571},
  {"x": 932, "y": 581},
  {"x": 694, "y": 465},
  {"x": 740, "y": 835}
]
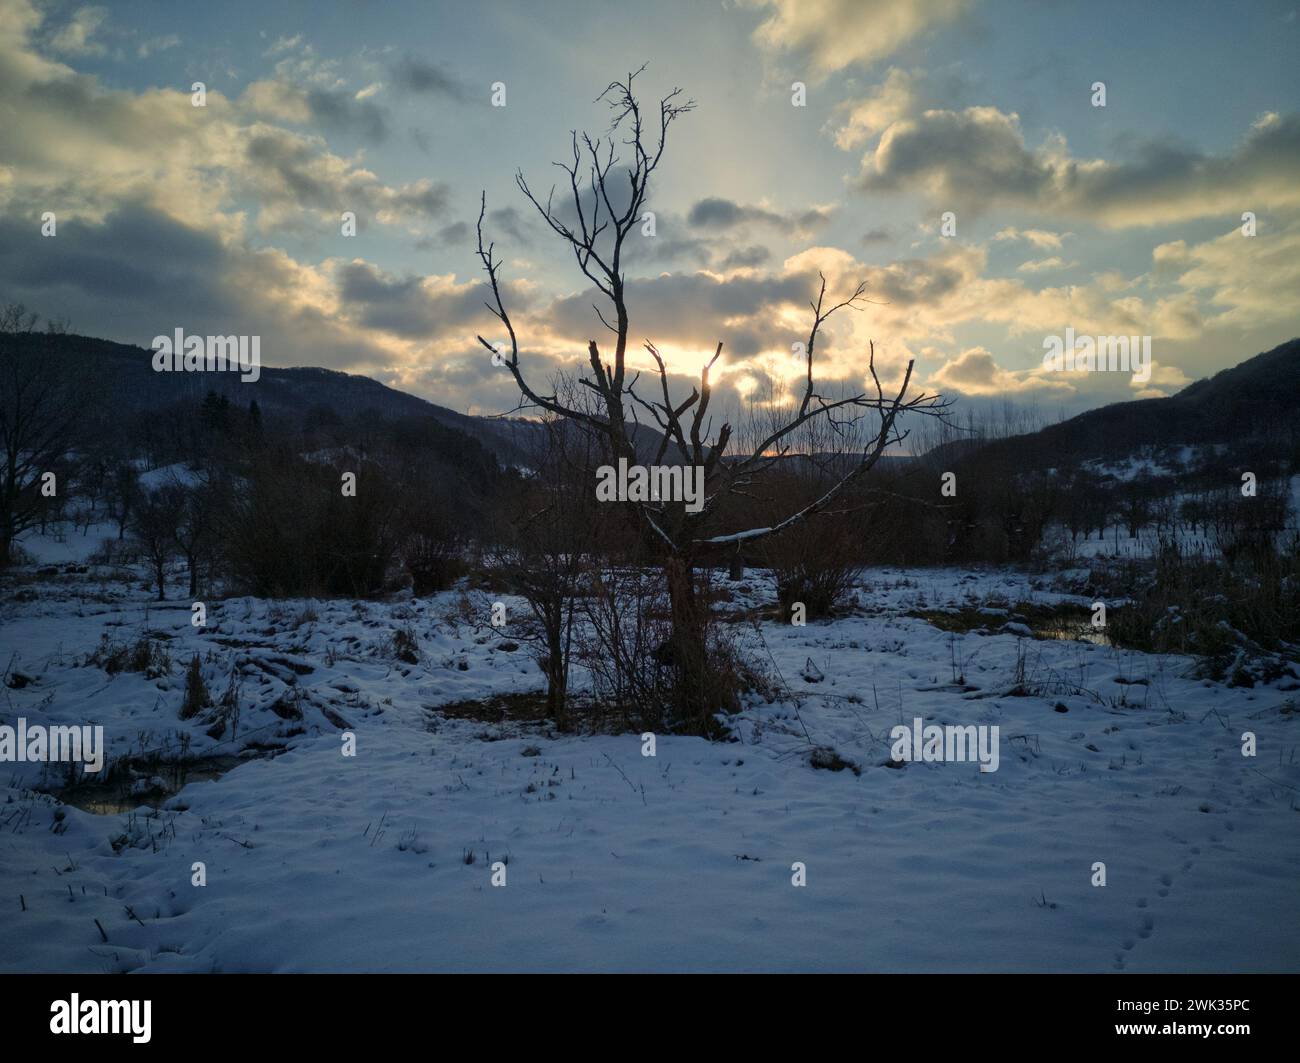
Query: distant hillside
[
  {"x": 124, "y": 375},
  {"x": 1258, "y": 400}
]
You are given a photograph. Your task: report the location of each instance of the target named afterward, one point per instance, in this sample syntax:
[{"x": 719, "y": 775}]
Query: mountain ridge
[
  {"x": 1259, "y": 398},
  {"x": 1260, "y": 395}
]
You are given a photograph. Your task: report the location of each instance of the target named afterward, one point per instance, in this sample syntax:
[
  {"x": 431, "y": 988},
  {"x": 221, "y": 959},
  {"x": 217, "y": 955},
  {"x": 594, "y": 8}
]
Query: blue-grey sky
[{"x": 1122, "y": 219}]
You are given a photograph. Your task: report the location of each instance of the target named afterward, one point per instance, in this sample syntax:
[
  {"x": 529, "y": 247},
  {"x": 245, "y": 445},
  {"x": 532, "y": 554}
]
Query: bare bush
[{"x": 196, "y": 697}]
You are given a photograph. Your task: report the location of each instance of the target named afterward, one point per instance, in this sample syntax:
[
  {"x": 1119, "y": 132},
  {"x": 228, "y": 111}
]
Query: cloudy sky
[{"x": 1123, "y": 219}]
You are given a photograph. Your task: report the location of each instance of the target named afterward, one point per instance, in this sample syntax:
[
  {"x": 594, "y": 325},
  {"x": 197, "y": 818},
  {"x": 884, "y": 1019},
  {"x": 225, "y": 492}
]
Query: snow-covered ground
[{"x": 616, "y": 861}]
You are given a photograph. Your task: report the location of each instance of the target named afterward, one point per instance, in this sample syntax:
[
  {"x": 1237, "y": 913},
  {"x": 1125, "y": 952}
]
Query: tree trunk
[
  {"x": 555, "y": 679},
  {"x": 554, "y": 663},
  {"x": 737, "y": 571},
  {"x": 690, "y": 659}
]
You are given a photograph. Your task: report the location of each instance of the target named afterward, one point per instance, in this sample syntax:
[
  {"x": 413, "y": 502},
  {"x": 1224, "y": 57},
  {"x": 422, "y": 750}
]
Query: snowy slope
[{"x": 318, "y": 862}]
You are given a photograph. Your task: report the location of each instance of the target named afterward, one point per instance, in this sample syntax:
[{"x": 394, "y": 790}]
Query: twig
[{"x": 625, "y": 778}]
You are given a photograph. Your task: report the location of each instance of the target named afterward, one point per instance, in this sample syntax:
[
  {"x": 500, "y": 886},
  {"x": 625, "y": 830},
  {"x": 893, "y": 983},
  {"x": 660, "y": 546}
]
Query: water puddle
[
  {"x": 1068, "y": 624},
  {"x": 151, "y": 788},
  {"x": 1073, "y": 633}
]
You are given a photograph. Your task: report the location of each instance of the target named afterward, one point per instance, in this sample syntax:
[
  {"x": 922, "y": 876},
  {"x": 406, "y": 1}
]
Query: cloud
[
  {"x": 864, "y": 118},
  {"x": 464, "y": 377},
  {"x": 289, "y": 173},
  {"x": 693, "y": 311},
  {"x": 716, "y": 214},
  {"x": 1042, "y": 265},
  {"x": 153, "y": 198},
  {"x": 1040, "y": 238},
  {"x": 413, "y": 306},
  {"x": 511, "y": 222},
  {"x": 153, "y": 45},
  {"x": 1165, "y": 380},
  {"x": 749, "y": 257},
  {"x": 76, "y": 37},
  {"x": 420, "y": 77},
  {"x": 343, "y": 111},
  {"x": 456, "y": 232},
  {"x": 833, "y": 34},
  {"x": 276, "y": 100},
  {"x": 281, "y": 45},
  {"x": 957, "y": 158},
  {"x": 713, "y": 235},
  {"x": 1249, "y": 282},
  {"x": 67, "y": 141},
  {"x": 977, "y": 157},
  {"x": 140, "y": 272},
  {"x": 975, "y": 372},
  {"x": 337, "y": 110},
  {"x": 164, "y": 209},
  {"x": 137, "y": 254}
]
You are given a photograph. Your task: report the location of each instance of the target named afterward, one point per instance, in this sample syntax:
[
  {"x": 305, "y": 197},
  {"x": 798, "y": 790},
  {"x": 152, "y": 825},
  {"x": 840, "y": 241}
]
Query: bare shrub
[
  {"x": 629, "y": 653},
  {"x": 291, "y": 532},
  {"x": 551, "y": 531},
  {"x": 433, "y": 551},
  {"x": 632, "y": 653},
  {"x": 815, "y": 563},
  {"x": 1243, "y": 617},
  {"x": 196, "y": 697},
  {"x": 405, "y": 646},
  {"x": 146, "y": 655}
]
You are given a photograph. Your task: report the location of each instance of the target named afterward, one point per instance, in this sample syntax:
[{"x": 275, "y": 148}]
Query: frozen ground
[{"x": 615, "y": 861}]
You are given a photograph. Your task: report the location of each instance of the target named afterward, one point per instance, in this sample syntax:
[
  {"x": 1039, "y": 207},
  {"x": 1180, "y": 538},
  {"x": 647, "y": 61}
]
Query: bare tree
[
  {"x": 122, "y": 491},
  {"x": 196, "y": 510},
  {"x": 153, "y": 528},
  {"x": 607, "y": 203},
  {"x": 41, "y": 404}
]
